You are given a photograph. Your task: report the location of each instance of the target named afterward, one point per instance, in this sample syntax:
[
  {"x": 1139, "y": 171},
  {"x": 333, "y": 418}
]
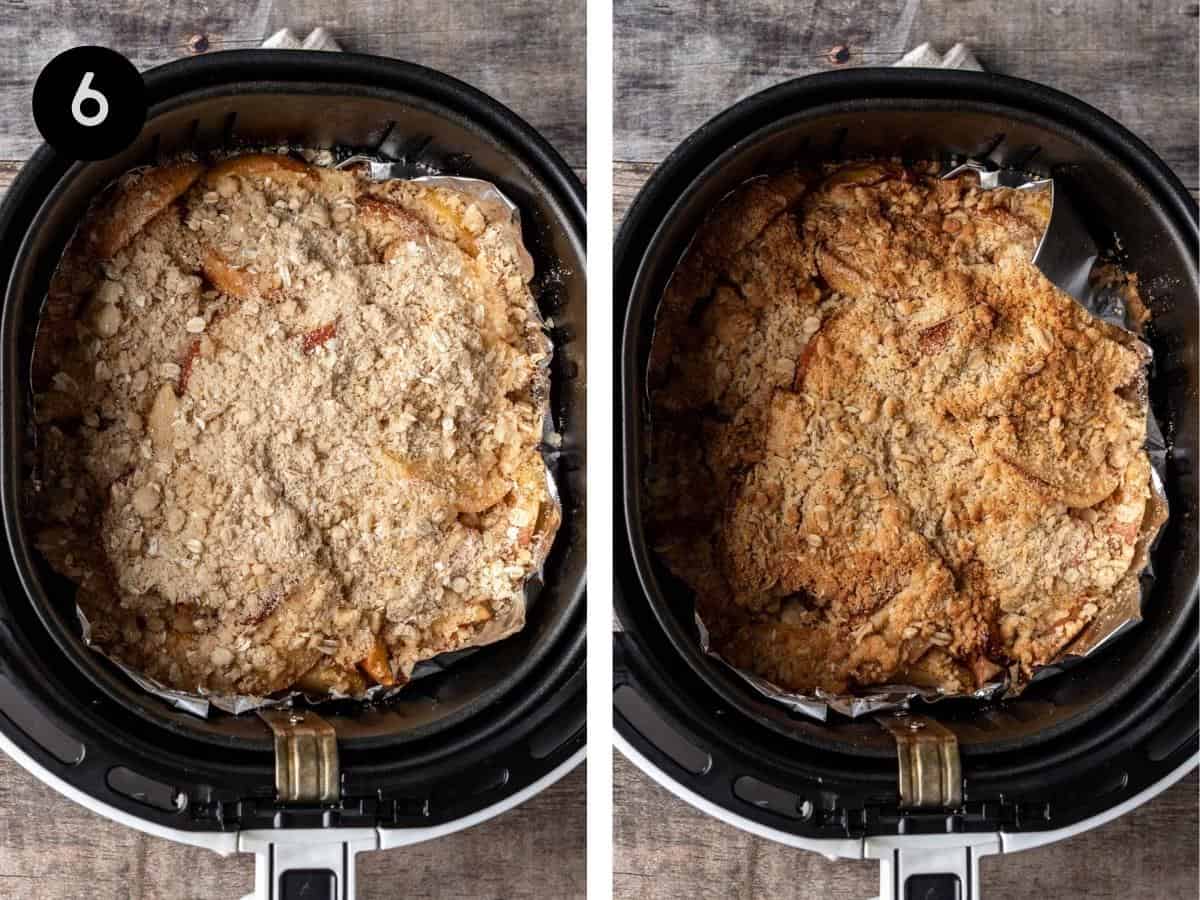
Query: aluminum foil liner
[
  {"x": 496, "y": 206},
  {"x": 1114, "y": 621}
]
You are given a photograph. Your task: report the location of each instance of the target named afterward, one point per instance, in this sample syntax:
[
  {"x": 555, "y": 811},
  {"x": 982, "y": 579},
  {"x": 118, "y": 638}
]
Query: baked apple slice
[{"x": 137, "y": 199}]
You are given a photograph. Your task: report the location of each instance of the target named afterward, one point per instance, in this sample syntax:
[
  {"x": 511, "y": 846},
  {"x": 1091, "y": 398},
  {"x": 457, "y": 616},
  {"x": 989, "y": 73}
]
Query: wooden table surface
[
  {"x": 529, "y": 54},
  {"x": 678, "y": 64}
]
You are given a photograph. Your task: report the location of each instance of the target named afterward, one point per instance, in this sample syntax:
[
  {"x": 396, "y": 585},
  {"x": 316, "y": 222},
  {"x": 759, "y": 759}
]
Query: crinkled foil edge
[
  {"x": 201, "y": 703},
  {"x": 889, "y": 697}
]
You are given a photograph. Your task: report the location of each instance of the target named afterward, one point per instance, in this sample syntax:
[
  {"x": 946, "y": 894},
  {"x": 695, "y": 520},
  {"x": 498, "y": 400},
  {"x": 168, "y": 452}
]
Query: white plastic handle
[
  {"x": 929, "y": 860},
  {"x": 85, "y": 91},
  {"x": 279, "y": 854}
]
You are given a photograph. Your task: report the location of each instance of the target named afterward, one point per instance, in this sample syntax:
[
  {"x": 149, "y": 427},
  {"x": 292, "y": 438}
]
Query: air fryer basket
[
  {"x": 1135, "y": 207},
  {"x": 524, "y": 690}
]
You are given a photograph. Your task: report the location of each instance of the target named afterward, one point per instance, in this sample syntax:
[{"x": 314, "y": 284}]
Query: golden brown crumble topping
[
  {"x": 288, "y": 424},
  {"x": 928, "y": 461}
]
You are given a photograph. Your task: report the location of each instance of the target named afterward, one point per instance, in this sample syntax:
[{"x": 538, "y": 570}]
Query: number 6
[{"x": 85, "y": 92}]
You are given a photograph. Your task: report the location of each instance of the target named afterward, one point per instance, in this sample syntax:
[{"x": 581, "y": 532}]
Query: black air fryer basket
[
  {"x": 453, "y": 747},
  {"x": 1071, "y": 748}
]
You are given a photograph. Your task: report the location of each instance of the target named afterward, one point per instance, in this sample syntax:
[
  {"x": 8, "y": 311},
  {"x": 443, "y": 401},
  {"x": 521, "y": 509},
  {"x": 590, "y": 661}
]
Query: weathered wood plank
[
  {"x": 628, "y": 179},
  {"x": 8, "y": 171},
  {"x": 529, "y": 54},
  {"x": 54, "y": 849},
  {"x": 665, "y": 850},
  {"x": 678, "y": 63}
]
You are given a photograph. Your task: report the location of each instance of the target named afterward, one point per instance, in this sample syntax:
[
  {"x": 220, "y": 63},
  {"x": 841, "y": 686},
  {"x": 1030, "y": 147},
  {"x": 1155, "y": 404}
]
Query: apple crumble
[
  {"x": 884, "y": 447},
  {"x": 288, "y": 425}
]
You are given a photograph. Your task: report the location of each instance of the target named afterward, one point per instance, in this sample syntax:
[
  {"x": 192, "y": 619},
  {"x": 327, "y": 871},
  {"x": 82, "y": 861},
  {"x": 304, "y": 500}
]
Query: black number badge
[{"x": 89, "y": 103}]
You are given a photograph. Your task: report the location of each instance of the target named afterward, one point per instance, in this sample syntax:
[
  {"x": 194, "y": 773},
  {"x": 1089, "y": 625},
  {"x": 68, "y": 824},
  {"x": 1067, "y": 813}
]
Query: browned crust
[{"x": 935, "y": 448}]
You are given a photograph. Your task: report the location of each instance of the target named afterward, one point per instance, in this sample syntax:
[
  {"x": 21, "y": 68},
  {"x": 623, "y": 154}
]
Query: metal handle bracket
[
  {"x": 930, "y": 770},
  {"x": 306, "y": 756}
]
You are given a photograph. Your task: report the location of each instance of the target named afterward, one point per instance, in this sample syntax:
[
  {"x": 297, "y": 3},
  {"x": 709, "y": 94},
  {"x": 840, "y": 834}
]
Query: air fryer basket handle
[
  {"x": 306, "y": 864},
  {"x": 930, "y": 867}
]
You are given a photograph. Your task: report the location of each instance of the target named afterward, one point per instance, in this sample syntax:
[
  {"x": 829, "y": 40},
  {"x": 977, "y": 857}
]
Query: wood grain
[
  {"x": 628, "y": 178},
  {"x": 53, "y": 849},
  {"x": 678, "y": 63},
  {"x": 665, "y": 850},
  {"x": 529, "y": 54}
]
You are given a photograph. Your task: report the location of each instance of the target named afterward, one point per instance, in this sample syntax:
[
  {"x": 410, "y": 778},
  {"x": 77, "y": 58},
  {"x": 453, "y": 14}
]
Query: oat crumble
[
  {"x": 885, "y": 448},
  {"x": 288, "y": 425}
]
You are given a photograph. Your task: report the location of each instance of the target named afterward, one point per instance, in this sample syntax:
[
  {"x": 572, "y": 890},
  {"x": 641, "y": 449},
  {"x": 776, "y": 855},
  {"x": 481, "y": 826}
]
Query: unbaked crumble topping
[{"x": 288, "y": 425}]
